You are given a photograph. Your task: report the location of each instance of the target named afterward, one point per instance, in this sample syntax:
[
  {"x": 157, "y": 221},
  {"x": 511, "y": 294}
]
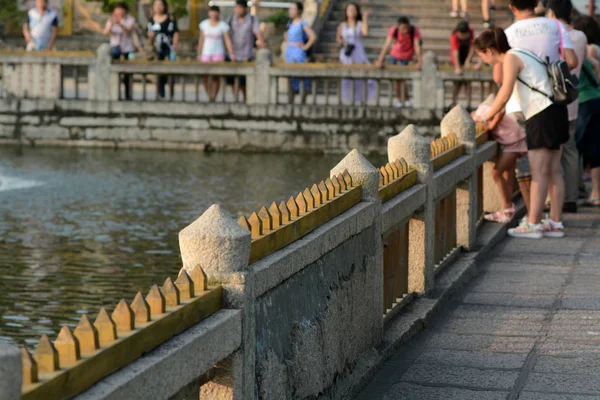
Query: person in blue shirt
[
  {"x": 41, "y": 27},
  {"x": 300, "y": 38}
]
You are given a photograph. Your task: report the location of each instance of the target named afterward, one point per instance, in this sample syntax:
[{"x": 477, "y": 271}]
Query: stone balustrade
[{"x": 310, "y": 285}]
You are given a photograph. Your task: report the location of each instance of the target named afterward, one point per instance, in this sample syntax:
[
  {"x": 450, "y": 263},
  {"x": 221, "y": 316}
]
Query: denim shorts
[{"x": 394, "y": 61}]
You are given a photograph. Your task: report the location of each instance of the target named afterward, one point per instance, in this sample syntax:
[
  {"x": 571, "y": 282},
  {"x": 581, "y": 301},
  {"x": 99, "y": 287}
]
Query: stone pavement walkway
[{"x": 527, "y": 327}]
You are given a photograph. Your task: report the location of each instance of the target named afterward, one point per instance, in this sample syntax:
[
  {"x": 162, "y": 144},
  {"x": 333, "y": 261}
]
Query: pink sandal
[{"x": 501, "y": 217}]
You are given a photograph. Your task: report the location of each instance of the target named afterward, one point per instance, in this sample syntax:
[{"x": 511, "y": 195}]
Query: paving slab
[
  {"x": 406, "y": 391},
  {"x": 526, "y": 328}
]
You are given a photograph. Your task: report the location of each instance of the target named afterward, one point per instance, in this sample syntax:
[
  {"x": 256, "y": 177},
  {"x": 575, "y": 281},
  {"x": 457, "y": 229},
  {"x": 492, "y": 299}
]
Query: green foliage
[
  {"x": 10, "y": 15},
  {"x": 177, "y": 7},
  {"x": 109, "y": 5},
  {"x": 279, "y": 18}
]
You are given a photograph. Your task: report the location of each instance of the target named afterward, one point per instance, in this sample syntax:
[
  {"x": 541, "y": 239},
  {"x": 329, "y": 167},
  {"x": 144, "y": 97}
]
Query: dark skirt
[
  {"x": 548, "y": 129},
  {"x": 587, "y": 135}
]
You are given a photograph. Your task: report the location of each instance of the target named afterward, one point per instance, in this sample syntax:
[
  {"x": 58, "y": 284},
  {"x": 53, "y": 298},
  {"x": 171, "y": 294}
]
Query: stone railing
[
  {"x": 309, "y": 285},
  {"x": 58, "y": 75}
]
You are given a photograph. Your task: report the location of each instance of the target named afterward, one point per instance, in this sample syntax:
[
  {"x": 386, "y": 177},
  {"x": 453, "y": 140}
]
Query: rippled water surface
[{"x": 80, "y": 229}]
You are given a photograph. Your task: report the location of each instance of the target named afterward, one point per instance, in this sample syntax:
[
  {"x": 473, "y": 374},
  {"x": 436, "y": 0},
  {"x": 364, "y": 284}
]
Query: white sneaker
[
  {"x": 527, "y": 231},
  {"x": 397, "y": 103},
  {"x": 553, "y": 229},
  {"x": 407, "y": 103},
  {"x": 453, "y": 14}
]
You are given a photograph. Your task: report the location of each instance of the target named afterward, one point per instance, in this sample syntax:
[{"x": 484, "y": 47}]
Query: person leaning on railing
[
  {"x": 41, "y": 27},
  {"x": 244, "y": 30},
  {"x": 299, "y": 37},
  {"x": 164, "y": 33},
  {"x": 121, "y": 27},
  {"x": 404, "y": 40}
]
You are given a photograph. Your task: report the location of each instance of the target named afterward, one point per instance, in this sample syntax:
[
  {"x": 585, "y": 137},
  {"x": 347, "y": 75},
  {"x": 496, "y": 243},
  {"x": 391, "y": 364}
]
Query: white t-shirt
[
  {"x": 213, "y": 38},
  {"x": 579, "y": 41},
  {"x": 540, "y": 35}
]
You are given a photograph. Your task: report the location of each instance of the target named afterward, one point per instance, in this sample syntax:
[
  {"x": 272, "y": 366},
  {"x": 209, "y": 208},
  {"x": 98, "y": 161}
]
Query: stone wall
[{"x": 207, "y": 126}]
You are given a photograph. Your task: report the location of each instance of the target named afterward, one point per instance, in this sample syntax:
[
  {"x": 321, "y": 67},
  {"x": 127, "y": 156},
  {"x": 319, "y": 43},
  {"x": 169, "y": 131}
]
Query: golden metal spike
[
  {"x": 255, "y": 225},
  {"x": 384, "y": 173},
  {"x": 342, "y": 181},
  {"x": 293, "y": 208},
  {"x": 243, "y": 222},
  {"x": 171, "y": 293},
  {"x": 200, "y": 280},
  {"x": 310, "y": 199},
  {"x": 141, "y": 309},
  {"x": 107, "y": 331},
  {"x": 324, "y": 192},
  {"x": 390, "y": 171},
  {"x": 276, "y": 218},
  {"x": 266, "y": 220},
  {"x": 156, "y": 301},
  {"x": 404, "y": 166},
  {"x": 395, "y": 170},
  {"x": 67, "y": 347},
  {"x": 30, "y": 371},
  {"x": 301, "y": 202},
  {"x": 316, "y": 194},
  {"x": 330, "y": 188},
  {"x": 347, "y": 179},
  {"x": 185, "y": 285},
  {"x": 285, "y": 212},
  {"x": 123, "y": 317},
  {"x": 45, "y": 356},
  {"x": 337, "y": 187},
  {"x": 87, "y": 335}
]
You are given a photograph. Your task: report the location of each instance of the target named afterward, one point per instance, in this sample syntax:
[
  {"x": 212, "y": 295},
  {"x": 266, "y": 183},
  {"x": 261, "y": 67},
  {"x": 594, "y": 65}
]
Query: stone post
[
  {"x": 259, "y": 83},
  {"x": 415, "y": 149},
  {"x": 459, "y": 122},
  {"x": 366, "y": 175},
  {"x": 11, "y": 374},
  {"x": 428, "y": 92},
  {"x": 221, "y": 247},
  {"x": 104, "y": 85}
]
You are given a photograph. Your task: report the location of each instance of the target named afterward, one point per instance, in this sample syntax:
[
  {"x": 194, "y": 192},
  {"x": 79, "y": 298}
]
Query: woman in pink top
[{"x": 511, "y": 136}]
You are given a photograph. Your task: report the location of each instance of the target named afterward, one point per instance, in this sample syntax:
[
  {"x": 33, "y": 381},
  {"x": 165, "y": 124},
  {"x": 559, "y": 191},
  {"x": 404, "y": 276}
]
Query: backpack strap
[
  {"x": 561, "y": 46},
  {"x": 536, "y": 58}
]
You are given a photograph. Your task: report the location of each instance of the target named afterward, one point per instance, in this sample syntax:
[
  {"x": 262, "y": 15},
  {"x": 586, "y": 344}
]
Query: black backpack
[
  {"x": 411, "y": 32},
  {"x": 563, "y": 82}
]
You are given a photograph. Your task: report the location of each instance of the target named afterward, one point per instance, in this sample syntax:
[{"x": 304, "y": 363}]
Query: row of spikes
[
  {"x": 270, "y": 219},
  {"x": 87, "y": 338},
  {"x": 440, "y": 145},
  {"x": 392, "y": 171}
]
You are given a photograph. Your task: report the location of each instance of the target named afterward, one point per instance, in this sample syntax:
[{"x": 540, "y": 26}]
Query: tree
[{"x": 11, "y": 16}]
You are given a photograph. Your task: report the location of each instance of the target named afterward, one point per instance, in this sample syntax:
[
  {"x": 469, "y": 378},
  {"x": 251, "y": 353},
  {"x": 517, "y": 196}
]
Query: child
[
  {"x": 511, "y": 136},
  {"x": 214, "y": 38}
]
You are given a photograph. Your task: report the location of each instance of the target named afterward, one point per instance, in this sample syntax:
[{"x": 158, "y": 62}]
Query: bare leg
[
  {"x": 455, "y": 5},
  {"x": 216, "y": 82},
  {"x": 463, "y": 5},
  {"x": 540, "y": 161},
  {"x": 525, "y": 188},
  {"x": 556, "y": 187},
  {"x": 595, "y": 183},
  {"x": 485, "y": 10},
  {"x": 207, "y": 86},
  {"x": 505, "y": 163}
]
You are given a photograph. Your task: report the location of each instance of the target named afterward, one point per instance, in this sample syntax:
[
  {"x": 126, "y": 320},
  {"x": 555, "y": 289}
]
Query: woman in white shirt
[
  {"x": 546, "y": 128},
  {"x": 214, "y": 38}
]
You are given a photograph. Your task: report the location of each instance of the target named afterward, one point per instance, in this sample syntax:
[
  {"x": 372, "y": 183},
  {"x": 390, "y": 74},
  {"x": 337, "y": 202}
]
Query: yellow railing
[
  {"x": 277, "y": 226},
  {"x": 78, "y": 359},
  {"x": 394, "y": 178},
  {"x": 445, "y": 150}
]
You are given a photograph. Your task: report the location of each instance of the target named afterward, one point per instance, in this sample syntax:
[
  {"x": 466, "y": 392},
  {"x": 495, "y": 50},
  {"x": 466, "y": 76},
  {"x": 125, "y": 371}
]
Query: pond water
[{"x": 81, "y": 229}]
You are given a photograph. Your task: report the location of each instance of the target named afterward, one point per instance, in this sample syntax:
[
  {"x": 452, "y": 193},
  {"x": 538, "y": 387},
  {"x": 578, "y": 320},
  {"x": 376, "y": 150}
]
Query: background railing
[{"x": 83, "y": 75}]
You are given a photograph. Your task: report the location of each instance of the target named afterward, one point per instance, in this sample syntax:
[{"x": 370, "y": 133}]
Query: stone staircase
[{"x": 431, "y": 16}]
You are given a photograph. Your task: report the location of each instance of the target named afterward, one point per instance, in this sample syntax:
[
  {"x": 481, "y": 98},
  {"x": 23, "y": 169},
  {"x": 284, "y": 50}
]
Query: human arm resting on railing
[
  {"x": 26, "y": 33},
  {"x": 511, "y": 67},
  {"x": 108, "y": 27},
  {"x": 457, "y": 67},
  {"x": 53, "y": 37},
  {"x": 228, "y": 45},
  {"x": 312, "y": 38},
  {"x": 384, "y": 50},
  {"x": 175, "y": 40}
]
